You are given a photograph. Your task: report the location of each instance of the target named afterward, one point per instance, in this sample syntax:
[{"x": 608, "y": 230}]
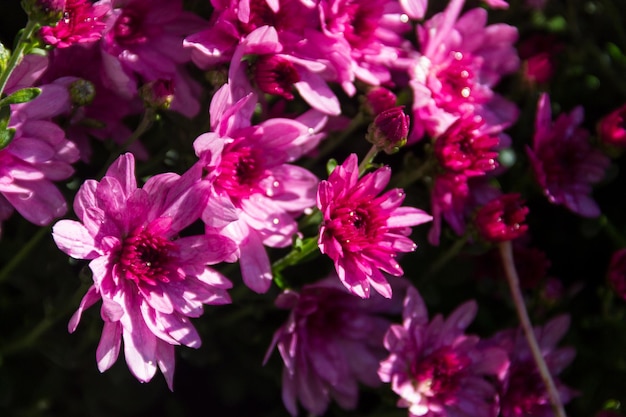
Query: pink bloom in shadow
[
  {"x": 437, "y": 369},
  {"x": 331, "y": 342},
  {"x": 564, "y": 162}
]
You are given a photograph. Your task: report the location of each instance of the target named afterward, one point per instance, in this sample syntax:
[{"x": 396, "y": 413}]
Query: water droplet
[
  {"x": 311, "y": 131},
  {"x": 404, "y": 18},
  {"x": 458, "y": 56},
  {"x": 275, "y": 220},
  {"x": 308, "y": 210},
  {"x": 465, "y": 92},
  {"x": 275, "y": 184},
  {"x": 464, "y": 74}
]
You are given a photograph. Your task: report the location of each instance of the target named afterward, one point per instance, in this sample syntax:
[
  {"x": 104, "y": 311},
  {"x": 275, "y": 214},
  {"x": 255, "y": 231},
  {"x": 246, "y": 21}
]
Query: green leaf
[
  {"x": 21, "y": 96},
  {"x": 5, "y": 116},
  {"x": 6, "y": 136}
]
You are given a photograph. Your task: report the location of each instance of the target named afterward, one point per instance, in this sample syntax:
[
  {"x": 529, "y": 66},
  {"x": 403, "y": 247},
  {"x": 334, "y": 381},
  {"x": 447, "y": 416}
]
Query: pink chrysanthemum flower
[
  {"x": 368, "y": 33},
  {"x": 331, "y": 342},
  {"x": 564, "y": 162},
  {"x": 249, "y": 167},
  {"x": 38, "y": 154},
  {"x": 362, "y": 231},
  {"x": 97, "y": 110},
  {"x": 435, "y": 368},
  {"x": 522, "y": 391},
  {"x": 150, "y": 280},
  {"x": 502, "y": 218},
  {"x": 143, "y": 42},
  {"x": 460, "y": 61},
  {"x": 277, "y": 71},
  {"x": 82, "y": 22}
]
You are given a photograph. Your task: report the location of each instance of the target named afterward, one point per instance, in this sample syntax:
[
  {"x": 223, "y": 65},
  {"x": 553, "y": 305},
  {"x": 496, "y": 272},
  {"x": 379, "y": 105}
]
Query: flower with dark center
[{"x": 362, "y": 231}]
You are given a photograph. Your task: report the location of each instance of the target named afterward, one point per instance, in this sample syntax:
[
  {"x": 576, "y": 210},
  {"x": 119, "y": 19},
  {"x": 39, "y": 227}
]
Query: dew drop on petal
[{"x": 404, "y": 18}]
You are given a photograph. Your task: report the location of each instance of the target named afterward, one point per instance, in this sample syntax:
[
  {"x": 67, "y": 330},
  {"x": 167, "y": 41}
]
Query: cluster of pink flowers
[{"x": 283, "y": 67}]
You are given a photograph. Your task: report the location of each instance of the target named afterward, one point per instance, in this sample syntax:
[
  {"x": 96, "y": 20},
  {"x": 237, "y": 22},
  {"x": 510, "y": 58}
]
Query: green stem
[
  {"x": 612, "y": 231},
  {"x": 406, "y": 178},
  {"x": 445, "y": 258},
  {"x": 145, "y": 123},
  {"x": 23, "y": 253},
  {"x": 366, "y": 163},
  {"x": 506, "y": 254},
  {"x": 297, "y": 254},
  {"x": 18, "y": 54},
  {"x": 44, "y": 325}
]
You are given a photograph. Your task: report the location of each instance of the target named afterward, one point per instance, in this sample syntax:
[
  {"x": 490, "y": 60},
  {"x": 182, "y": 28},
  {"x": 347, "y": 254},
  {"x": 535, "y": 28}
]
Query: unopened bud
[
  {"x": 158, "y": 94},
  {"x": 389, "y": 130},
  {"x": 82, "y": 92},
  {"x": 44, "y": 12},
  {"x": 612, "y": 127}
]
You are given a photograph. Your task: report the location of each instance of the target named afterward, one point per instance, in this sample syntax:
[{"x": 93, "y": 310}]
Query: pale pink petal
[
  {"x": 89, "y": 299},
  {"x": 109, "y": 345},
  {"x": 74, "y": 239}
]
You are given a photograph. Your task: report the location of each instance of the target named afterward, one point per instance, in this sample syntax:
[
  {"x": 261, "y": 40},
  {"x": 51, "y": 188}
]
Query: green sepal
[
  {"x": 5, "y": 54},
  {"x": 21, "y": 96},
  {"x": 331, "y": 165}
]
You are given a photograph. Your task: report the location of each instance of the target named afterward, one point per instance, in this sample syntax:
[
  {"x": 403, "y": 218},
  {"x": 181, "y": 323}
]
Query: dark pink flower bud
[
  {"x": 617, "y": 273},
  {"x": 158, "y": 94},
  {"x": 612, "y": 127},
  {"x": 539, "y": 54},
  {"x": 45, "y": 12},
  {"x": 389, "y": 130},
  {"x": 502, "y": 218},
  {"x": 275, "y": 75},
  {"x": 380, "y": 99}
]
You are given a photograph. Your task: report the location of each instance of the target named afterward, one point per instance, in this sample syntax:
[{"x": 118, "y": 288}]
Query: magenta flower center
[
  {"x": 356, "y": 225},
  {"x": 128, "y": 28},
  {"x": 360, "y": 21},
  {"x": 260, "y": 15},
  {"x": 525, "y": 394},
  {"x": 439, "y": 374},
  {"x": 462, "y": 150},
  {"x": 275, "y": 75},
  {"x": 562, "y": 159},
  {"x": 145, "y": 258},
  {"x": 241, "y": 171},
  {"x": 458, "y": 84},
  {"x": 502, "y": 218}
]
